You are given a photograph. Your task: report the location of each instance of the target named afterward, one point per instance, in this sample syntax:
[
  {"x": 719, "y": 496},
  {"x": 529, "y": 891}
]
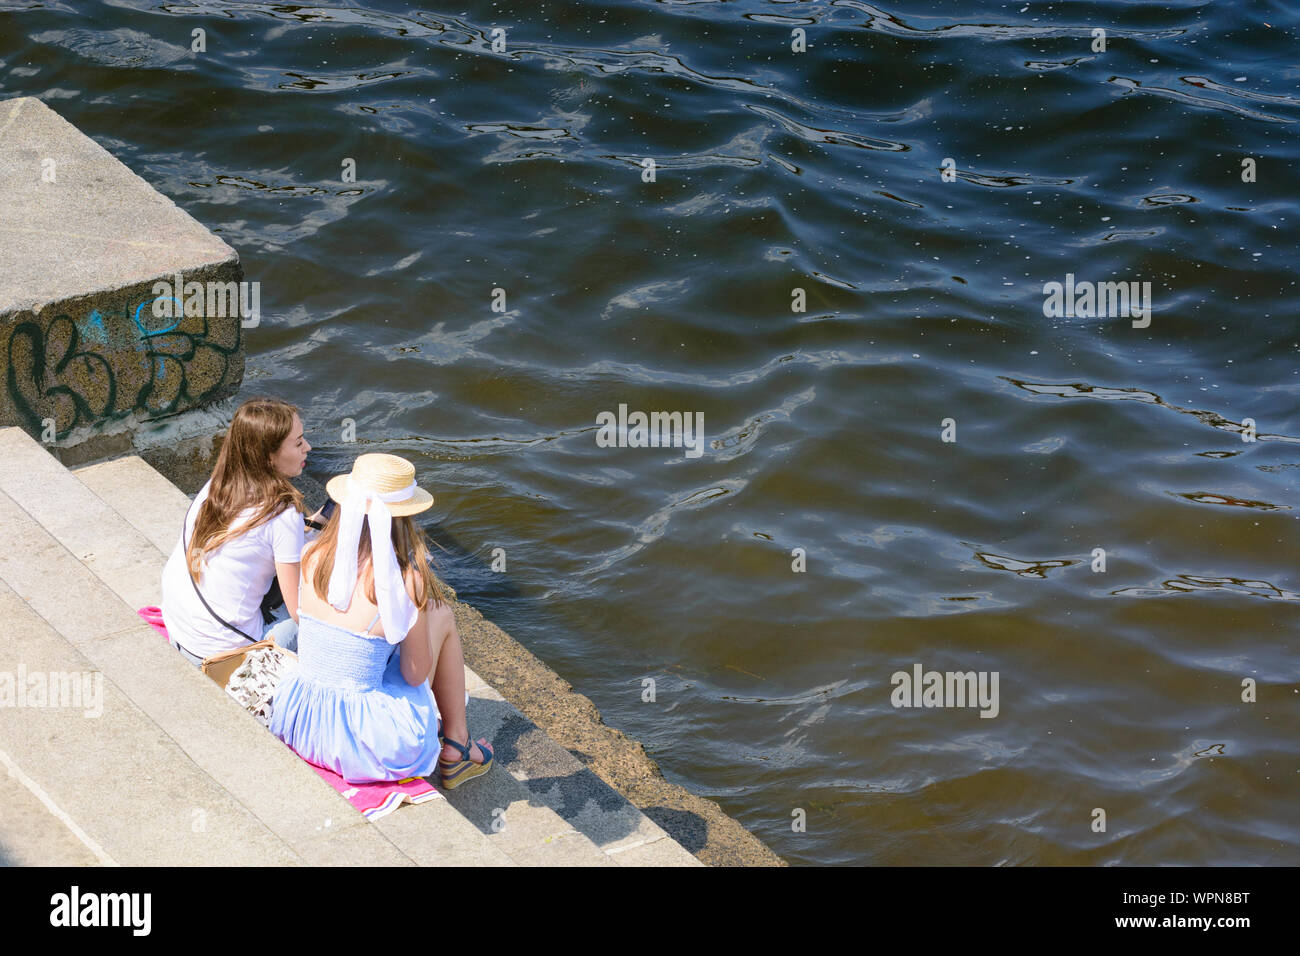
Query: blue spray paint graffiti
[
  {"x": 112, "y": 364},
  {"x": 145, "y": 333}
]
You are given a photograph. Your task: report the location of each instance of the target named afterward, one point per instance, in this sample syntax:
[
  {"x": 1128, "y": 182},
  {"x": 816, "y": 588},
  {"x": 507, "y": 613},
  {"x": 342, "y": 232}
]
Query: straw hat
[{"x": 384, "y": 475}]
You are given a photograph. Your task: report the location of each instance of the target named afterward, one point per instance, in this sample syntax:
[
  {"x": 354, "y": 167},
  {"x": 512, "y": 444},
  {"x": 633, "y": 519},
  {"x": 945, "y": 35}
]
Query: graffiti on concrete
[
  {"x": 93, "y": 329},
  {"x": 116, "y": 363}
]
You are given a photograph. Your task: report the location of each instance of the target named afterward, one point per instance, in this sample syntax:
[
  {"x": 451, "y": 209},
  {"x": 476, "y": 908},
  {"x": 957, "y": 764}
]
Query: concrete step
[
  {"x": 118, "y": 555},
  {"x": 122, "y": 788},
  {"x": 556, "y": 778},
  {"x": 310, "y": 822},
  {"x": 34, "y": 831},
  {"x": 147, "y": 501},
  {"x": 581, "y": 805}
]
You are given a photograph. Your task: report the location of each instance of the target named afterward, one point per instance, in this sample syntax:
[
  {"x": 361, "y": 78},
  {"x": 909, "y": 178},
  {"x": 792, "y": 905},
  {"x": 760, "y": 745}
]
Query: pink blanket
[
  {"x": 372, "y": 800},
  {"x": 376, "y": 800}
]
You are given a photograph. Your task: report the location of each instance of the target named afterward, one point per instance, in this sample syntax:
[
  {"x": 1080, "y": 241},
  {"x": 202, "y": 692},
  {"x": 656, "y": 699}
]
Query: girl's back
[
  {"x": 364, "y": 697},
  {"x": 361, "y": 613},
  {"x": 350, "y": 704}
]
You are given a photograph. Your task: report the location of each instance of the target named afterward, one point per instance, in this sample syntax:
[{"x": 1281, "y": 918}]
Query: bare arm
[
  {"x": 417, "y": 652},
  {"x": 424, "y": 640},
  {"x": 287, "y": 575}
]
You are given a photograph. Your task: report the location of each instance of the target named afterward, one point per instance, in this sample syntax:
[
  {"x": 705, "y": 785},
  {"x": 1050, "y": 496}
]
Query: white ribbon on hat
[{"x": 396, "y": 609}]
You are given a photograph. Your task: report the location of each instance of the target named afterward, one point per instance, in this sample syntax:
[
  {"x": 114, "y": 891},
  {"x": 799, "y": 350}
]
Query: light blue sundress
[{"x": 345, "y": 706}]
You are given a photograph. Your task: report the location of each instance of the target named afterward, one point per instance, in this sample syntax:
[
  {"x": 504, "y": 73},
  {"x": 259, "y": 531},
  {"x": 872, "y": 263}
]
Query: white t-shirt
[{"x": 235, "y": 578}]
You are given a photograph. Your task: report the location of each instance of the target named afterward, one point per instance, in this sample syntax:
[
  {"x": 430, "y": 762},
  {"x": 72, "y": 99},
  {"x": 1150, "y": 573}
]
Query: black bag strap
[
  {"x": 215, "y": 616},
  {"x": 326, "y": 511}
]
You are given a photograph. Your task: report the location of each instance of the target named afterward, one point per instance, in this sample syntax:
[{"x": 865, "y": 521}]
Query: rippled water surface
[{"x": 521, "y": 168}]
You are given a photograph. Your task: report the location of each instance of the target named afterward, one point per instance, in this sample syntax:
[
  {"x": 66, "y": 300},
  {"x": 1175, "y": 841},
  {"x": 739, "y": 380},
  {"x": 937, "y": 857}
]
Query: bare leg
[{"x": 448, "y": 685}]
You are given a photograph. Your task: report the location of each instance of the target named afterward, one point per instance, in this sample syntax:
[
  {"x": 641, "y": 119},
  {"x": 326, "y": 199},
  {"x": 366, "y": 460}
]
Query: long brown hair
[
  {"x": 409, "y": 543},
  {"x": 245, "y": 478}
]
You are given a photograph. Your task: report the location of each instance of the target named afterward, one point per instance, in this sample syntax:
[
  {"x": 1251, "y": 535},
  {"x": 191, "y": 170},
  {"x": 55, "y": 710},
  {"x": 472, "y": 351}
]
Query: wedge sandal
[{"x": 453, "y": 773}]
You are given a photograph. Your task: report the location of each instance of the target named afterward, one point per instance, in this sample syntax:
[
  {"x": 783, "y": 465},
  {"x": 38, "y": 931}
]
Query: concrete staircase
[{"x": 173, "y": 772}]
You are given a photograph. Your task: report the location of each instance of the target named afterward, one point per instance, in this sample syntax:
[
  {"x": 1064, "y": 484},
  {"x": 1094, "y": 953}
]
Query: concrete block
[{"x": 82, "y": 244}]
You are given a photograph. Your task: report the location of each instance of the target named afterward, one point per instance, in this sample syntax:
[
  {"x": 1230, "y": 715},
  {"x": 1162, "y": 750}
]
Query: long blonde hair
[
  {"x": 409, "y": 543},
  {"x": 244, "y": 477}
]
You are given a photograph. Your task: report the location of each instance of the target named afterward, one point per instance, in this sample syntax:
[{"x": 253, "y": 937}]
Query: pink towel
[
  {"x": 376, "y": 800},
  {"x": 372, "y": 800}
]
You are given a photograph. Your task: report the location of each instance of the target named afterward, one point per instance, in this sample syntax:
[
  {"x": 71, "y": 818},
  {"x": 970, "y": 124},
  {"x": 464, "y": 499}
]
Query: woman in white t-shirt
[{"x": 244, "y": 531}]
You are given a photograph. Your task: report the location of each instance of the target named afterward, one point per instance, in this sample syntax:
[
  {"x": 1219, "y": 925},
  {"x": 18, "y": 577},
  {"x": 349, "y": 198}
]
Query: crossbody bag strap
[{"x": 215, "y": 616}]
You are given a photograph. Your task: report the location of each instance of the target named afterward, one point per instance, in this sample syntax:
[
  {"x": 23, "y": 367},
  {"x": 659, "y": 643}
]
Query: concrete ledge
[{"x": 46, "y": 576}]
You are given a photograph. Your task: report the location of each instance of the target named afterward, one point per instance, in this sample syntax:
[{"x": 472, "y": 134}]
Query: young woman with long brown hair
[
  {"x": 378, "y": 692},
  {"x": 243, "y": 532}
]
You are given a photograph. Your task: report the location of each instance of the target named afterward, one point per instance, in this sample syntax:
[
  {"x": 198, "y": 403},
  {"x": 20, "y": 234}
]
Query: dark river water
[{"x": 802, "y": 268}]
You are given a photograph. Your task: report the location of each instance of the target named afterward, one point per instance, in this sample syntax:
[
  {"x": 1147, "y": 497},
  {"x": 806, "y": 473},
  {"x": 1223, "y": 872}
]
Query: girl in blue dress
[{"x": 378, "y": 691}]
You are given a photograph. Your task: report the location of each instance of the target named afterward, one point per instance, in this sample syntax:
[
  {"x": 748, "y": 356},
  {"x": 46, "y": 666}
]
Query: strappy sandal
[{"x": 452, "y": 773}]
